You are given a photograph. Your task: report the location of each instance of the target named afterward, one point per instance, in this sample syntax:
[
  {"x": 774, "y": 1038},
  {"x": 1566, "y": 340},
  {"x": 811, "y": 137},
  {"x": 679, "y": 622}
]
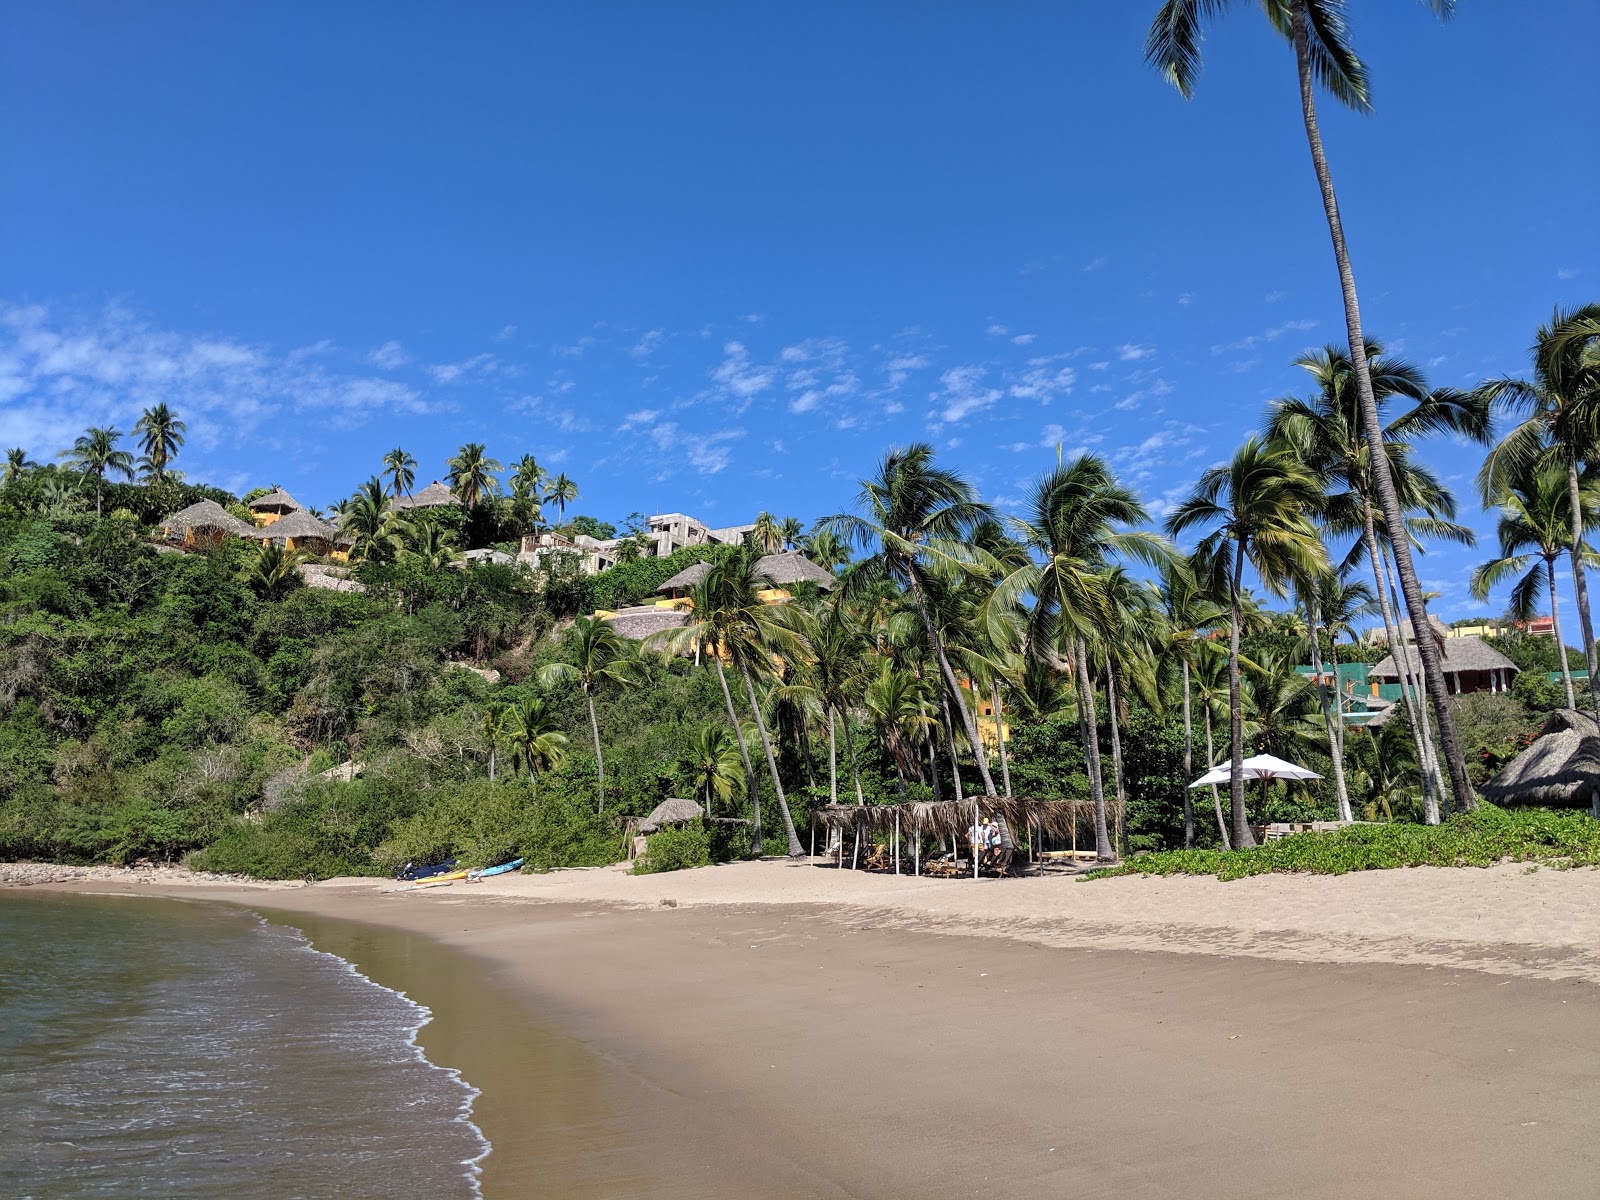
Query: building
[
  {"x": 299, "y": 530},
  {"x": 203, "y": 525},
  {"x": 594, "y": 554},
  {"x": 435, "y": 495},
  {"x": 1470, "y": 665},
  {"x": 666, "y": 533},
  {"x": 1559, "y": 769},
  {"x": 274, "y": 506},
  {"x": 783, "y": 571},
  {"x": 674, "y": 531}
]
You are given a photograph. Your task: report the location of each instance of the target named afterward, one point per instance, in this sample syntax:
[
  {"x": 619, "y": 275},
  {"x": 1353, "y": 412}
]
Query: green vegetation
[
  {"x": 675, "y": 848},
  {"x": 1480, "y": 838}
]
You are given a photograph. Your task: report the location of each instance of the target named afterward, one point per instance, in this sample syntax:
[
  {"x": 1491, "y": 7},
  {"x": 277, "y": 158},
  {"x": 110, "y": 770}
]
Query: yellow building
[{"x": 274, "y": 506}]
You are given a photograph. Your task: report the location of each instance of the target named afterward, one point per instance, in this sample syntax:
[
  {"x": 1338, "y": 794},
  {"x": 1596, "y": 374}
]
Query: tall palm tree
[
  {"x": 792, "y": 529},
  {"x": 709, "y": 765},
  {"x": 837, "y": 669},
  {"x": 371, "y": 522},
  {"x": 900, "y": 711},
  {"x": 401, "y": 469},
  {"x": 767, "y": 536},
  {"x": 912, "y": 513},
  {"x": 600, "y": 657},
  {"x": 562, "y": 492},
  {"x": 431, "y": 546},
  {"x": 17, "y": 465},
  {"x": 1559, "y": 423},
  {"x": 1534, "y": 530},
  {"x": 496, "y": 724},
  {"x": 826, "y": 550},
  {"x": 160, "y": 434},
  {"x": 1071, "y": 530},
  {"x": 1191, "y": 616},
  {"x": 472, "y": 475},
  {"x": 1323, "y": 54},
  {"x": 1261, "y": 502},
  {"x": 95, "y": 454},
  {"x": 536, "y": 741}
]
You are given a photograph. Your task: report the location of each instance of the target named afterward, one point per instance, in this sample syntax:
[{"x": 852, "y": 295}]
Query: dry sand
[{"x": 787, "y": 1030}]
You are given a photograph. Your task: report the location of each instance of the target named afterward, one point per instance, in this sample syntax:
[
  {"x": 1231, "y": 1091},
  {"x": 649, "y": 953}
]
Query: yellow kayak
[{"x": 436, "y": 879}]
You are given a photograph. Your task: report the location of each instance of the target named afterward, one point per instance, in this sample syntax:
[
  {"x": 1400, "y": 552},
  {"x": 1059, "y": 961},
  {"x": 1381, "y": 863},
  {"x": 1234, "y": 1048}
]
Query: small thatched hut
[
  {"x": 686, "y": 580},
  {"x": 792, "y": 567},
  {"x": 1470, "y": 665},
  {"x": 435, "y": 495},
  {"x": 301, "y": 531},
  {"x": 204, "y": 523},
  {"x": 274, "y": 506},
  {"x": 1561, "y": 769},
  {"x": 670, "y": 812}
]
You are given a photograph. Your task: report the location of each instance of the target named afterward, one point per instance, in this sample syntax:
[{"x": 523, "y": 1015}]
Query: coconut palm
[
  {"x": 431, "y": 546},
  {"x": 1317, "y": 31},
  {"x": 1191, "y": 616},
  {"x": 1332, "y": 606},
  {"x": 496, "y": 724},
  {"x": 1261, "y": 502},
  {"x": 401, "y": 469},
  {"x": 600, "y": 657},
  {"x": 1559, "y": 423},
  {"x": 160, "y": 434},
  {"x": 536, "y": 741},
  {"x": 1071, "y": 530},
  {"x": 1534, "y": 530},
  {"x": 826, "y": 550},
  {"x": 562, "y": 492},
  {"x": 472, "y": 475},
  {"x": 792, "y": 529},
  {"x": 709, "y": 765},
  {"x": 17, "y": 465},
  {"x": 270, "y": 572},
  {"x": 95, "y": 454},
  {"x": 836, "y": 667},
  {"x": 370, "y": 521},
  {"x": 897, "y": 704},
  {"x": 767, "y": 536},
  {"x": 913, "y": 513}
]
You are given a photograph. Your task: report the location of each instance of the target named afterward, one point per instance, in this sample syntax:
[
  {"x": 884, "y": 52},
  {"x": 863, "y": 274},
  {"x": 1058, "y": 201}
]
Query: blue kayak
[
  {"x": 500, "y": 870},
  {"x": 412, "y": 872}
]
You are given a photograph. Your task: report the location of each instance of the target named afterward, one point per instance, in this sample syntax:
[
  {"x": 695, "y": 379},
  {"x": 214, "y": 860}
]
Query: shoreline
[{"x": 862, "y": 1048}]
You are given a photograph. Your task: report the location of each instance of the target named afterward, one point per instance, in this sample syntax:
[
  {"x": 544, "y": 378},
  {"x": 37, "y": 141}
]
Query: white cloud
[
  {"x": 1099, "y": 366},
  {"x": 739, "y": 378},
  {"x": 1133, "y": 353},
  {"x": 1186, "y": 299},
  {"x": 1024, "y": 339},
  {"x": 1043, "y": 385},
  {"x": 1568, "y": 273},
  {"x": 643, "y": 416},
  {"x": 997, "y": 331},
  {"x": 962, "y": 394},
  {"x": 389, "y": 356},
  {"x": 649, "y": 343},
  {"x": 1274, "y": 296},
  {"x": 1269, "y": 335},
  {"x": 1096, "y": 263},
  {"x": 478, "y": 364},
  {"x": 577, "y": 348},
  {"x": 507, "y": 332}
]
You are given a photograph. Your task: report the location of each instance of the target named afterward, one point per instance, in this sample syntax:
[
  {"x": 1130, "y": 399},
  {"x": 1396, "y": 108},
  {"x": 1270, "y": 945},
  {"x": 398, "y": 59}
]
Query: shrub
[{"x": 676, "y": 848}]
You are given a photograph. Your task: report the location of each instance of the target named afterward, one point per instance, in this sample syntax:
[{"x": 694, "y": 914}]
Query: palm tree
[
  {"x": 371, "y": 522},
  {"x": 916, "y": 513},
  {"x": 527, "y": 477},
  {"x": 95, "y": 454},
  {"x": 1535, "y": 528},
  {"x": 836, "y": 666},
  {"x": 792, "y": 529},
  {"x": 1072, "y": 515},
  {"x": 710, "y": 765},
  {"x": 1558, "y": 422},
  {"x": 826, "y": 550},
  {"x": 17, "y": 465},
  {"x": 900, "y": 711},
  {"x": 536, "y": 741},
  {"x": 472, "y": 475},
  {"x": 1190, "y": 616},
  {"x": 601, "y": 658},
  {"x": 401, "y": 469},
  {"x": 160, "y": 434},
  {"x": 496, "y": 724},
  {"x": 271, "y": 572},
  {"x": 767, "y": 536},
  {"x": 563, "y": 491},
  {"x": 1261, "y": 502},
  {"x": 1332, "y": 607},
  {"x": 1323, "y": 54}
]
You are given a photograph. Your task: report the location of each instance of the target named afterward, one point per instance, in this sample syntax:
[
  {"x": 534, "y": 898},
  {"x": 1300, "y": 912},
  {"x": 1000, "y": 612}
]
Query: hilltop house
[
  {"x": 1470, "y": 663},
  {"x": 783, "y": 570},
  {"x": 274, "y": 506},
  {"x": 666, "y": 534}
]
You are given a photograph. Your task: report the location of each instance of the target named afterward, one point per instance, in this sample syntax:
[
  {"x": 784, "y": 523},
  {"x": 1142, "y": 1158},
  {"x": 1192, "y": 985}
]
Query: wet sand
[{"x": 796, "y": 1050}]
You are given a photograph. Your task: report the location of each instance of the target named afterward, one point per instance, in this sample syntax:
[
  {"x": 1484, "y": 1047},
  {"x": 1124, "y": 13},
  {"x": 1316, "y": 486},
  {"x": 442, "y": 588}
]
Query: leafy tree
[
  {"x": 160, "y": 434},
  {"x": 472, "y": 475},
  {"x": 16, "y": 465},
  {"x": 599, "y": 658},
  {"x": 95, "y": 454},
  {"x": 709, "y": 766},
  {"x": 272, "y": 572}
]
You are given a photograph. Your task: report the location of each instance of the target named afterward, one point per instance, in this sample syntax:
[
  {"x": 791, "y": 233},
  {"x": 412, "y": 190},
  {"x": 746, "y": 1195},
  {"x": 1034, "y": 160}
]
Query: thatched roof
[
  {"x": 793, "y": 567},
  {"x": 636, "y": 624},
  {"x": 208, "y": 514},
  {"x": 952, "y": 818},
  {"x": 1469, "y": 653},
  {"x": 1561, "y": 767},
  {"x": 670, "y": 812},
  {"x": 298, "y": 524},
  {"x": 434, "y": 495},
  {"x": 274, "y": 500},
  {"x": 1380, "y": 635},
  {"x": 690, "y": 577}
]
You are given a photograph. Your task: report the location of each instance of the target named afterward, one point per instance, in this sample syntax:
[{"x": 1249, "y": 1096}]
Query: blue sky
[{"x": 715, "y": 258}]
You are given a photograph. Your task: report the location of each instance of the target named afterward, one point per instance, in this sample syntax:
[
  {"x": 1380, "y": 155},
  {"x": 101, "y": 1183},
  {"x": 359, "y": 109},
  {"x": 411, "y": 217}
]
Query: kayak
[
  {"x": 414, "y": 873},
  {"x": 428, "y": 883},
  {"x": 485, "y": 872}
]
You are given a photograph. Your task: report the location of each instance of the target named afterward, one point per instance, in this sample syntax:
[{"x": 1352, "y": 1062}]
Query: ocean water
[{"x": 167, "y": 1049}]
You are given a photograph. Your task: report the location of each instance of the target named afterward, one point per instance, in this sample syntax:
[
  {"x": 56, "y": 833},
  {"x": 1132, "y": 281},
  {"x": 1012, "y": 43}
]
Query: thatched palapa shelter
[
  {"x": 435, "y": 495},
  {"x": 1470, "y": 665},
  {"x": 205, "y": 523},
  {"x": 686, "y": 580},
  {"x": 952, "y": 818},
  {"x": 792, "y": 567},
  {"x": 274, "y": 506},
  {"x": 1561, "y": 769},
  {"x": 300, "y": 531},
  {"x": 670, "y": 812}
]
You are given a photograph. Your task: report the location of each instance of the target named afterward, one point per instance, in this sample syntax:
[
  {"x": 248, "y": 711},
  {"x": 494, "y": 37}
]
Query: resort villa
[
  {"x": 784, "y": 570},
  {"x": 667, "y": 533}
]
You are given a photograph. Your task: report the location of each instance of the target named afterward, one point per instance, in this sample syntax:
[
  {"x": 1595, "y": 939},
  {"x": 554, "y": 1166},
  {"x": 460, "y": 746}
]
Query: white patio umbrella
[{"x": 1261, "y": 766}]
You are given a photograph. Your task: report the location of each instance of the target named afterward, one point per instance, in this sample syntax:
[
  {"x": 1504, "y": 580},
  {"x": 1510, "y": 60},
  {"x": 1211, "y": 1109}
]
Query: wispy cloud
[
  {"x": 389, "y": 356},
  {"x": 1024, "y": 339},
  {"x": 1568, "y": 273},
  {"x": 1133, "y": 353},
  {"x": 740, "y": 379},
  {"x": 997, "y": 330},
  {"x": 962, "y": 393},
  {"x": 1269, "y": 335},
  {"x": 478, "y": 364},
  {"x": 651, "y": 341},
  {"x": 1097, "y": 263},
  {"x": 1273, "y": 297}
]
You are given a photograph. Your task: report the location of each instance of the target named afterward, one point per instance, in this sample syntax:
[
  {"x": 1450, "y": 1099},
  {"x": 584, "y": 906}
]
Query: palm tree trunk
[
  {"x": 1216, "y": 796},
  {"x": 950, "y": 740},
  {"x": 833, "y": 762},
  {"x": 850, "y": 745},
  {"x": 1089, "y": 728},
  {"x": 744, "y": 755},
  {"x": 1427, "y": 769},
  {"x": 933, "y": 770},
  {"x": 1432, "y": 670},
  {"x": 1330, "y": 718},
  {"x": 1000, "y": 737},
  {"x": 795, "y": 848},
  {"x": 1580, "y": 588},
  {"x": 1426, "y": 726},
  {"x": 1242, "y": 837},
  {"x": 949, "y": 677},
  {"x": 599, "y": 762},
  {"x": 491, "y": 759},
  {"x": 1555, "y": 631},
  {"x": 1116, "y": 757},
  {"x": 1188, "y": 764}
]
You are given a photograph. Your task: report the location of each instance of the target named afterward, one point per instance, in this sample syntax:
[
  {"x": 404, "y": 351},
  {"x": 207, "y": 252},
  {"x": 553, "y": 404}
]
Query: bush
[
  {"x": 1481, "y": 838},
  {"x": 676, "y": 848}
]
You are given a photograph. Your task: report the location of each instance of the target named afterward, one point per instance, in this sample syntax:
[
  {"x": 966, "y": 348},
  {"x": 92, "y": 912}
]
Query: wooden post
[{"x": 897, "y": 840}]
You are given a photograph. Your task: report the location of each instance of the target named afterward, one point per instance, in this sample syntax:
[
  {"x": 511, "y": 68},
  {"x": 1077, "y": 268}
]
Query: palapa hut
[
  {"x": 204, "y": 523},
  {"x": 1560, "y": 769},
  {"x": 949, "y": 820},
  {"x": 301, "y": 531},
  {"x": 685, "y": 581},
  {"x": 1470, "y": 665},
  {"x": 791, "y": 567},
  {"x": 435, "y": 495},
  {"x": 668, "y": 812},
  {"x": 274, "y": 506}
]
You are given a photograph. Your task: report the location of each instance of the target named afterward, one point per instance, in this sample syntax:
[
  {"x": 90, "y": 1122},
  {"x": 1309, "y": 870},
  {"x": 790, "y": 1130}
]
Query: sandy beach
[{"x": 776, "y": 1029}]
